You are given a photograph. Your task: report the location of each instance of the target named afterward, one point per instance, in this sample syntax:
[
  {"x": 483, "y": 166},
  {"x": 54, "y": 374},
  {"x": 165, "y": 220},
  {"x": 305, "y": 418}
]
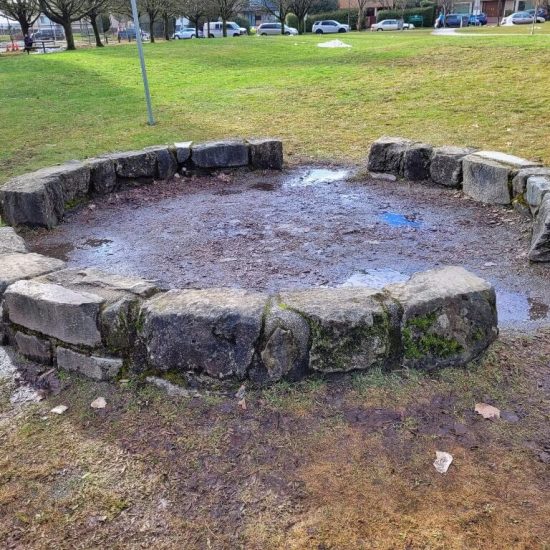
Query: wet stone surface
[{"x": 303, "y": 227}]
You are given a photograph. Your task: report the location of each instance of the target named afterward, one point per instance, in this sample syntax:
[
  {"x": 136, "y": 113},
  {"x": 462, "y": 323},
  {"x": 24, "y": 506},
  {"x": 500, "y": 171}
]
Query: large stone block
[
  {"x": 351, "y": 328},
  {"x": 220, "y": 154},
  {"x": 266, "y": 154},
  {"x": 33, "y": 347},
  {"x": 102, "y": 175},
  {"x": 97, "y": 368},
  {"x": 11, "y": 242},
  {"x": 14, "y": 267},
  {"x": 167, "y": 164},
  {"x": 183, "y": 151},
  {"x": 134, "y": 165},
  {"x": 449, "y": 317},
  {"x": 537, "y": 188},
  {"x": 488, "y": 175},
  {"x": 416, "y": 162},
  {"x": 540, "y": 241},
  {"x": 519, "y": 181},
  {"x": 55, "y": 311},
  {"x": 446, "y": 165},
  {"x": 214, "y": 330},
  {"x": 386, "y": 155},
  {"x": 73, "y": 177}
]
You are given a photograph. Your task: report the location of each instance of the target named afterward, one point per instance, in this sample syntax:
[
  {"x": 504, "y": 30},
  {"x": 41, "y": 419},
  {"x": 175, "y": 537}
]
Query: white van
[{"x": 216, "y": 29}]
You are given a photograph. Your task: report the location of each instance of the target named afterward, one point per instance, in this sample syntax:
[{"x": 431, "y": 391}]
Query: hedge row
[{"x": 428, "y": 13}]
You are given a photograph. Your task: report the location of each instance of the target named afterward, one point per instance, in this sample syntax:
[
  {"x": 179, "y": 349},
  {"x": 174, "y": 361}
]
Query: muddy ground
[{"x": 303, "y": 227}]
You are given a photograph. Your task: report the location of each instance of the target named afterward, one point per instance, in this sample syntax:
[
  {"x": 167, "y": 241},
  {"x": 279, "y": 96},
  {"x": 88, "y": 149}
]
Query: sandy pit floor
[{"x": 303, "y": 227}]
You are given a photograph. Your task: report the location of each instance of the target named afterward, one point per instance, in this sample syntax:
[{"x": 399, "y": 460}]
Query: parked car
[
  {"x": 130, "y": 34},
  {"x": 185, "y": 33},
  {"x": 391, "y": 25},
  {"x": 216, "y": 29},
  {"x": 455, "y": 20},
  {"x": 541, "y": 15},
  {"x": 274, "y": 28},
  {"x": 478, "y": 19},
  {"x": 518, "y": 18},
  {"x": 330, "y": 26},
  {"x": 48, "y": 34}
]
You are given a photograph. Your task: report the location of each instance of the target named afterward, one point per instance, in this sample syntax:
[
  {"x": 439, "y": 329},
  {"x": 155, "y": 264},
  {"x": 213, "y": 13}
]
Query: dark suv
[
  {"x": 457, "y": 20},
  {"x": 478, "y": 19}
]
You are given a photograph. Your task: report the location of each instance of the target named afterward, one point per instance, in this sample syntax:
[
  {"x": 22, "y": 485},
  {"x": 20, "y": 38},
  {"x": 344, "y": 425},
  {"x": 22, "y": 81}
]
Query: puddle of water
[
  {"x": 514, "y": 307},
  {"x": 316, "y": 176},
  {"x": 400, "y": 220},
  {"x": 375, "y": 278}
]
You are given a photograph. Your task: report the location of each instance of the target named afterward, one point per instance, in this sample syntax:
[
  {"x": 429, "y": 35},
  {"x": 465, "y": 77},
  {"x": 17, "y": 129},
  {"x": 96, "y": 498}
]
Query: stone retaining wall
[
  {"x": 97, "y": 323},
  {"x": 485, "y": 176}
]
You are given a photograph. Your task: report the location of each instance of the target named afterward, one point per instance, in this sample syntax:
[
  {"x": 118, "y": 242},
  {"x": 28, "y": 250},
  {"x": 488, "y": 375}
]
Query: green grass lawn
[{"x": 326, "y": 104}]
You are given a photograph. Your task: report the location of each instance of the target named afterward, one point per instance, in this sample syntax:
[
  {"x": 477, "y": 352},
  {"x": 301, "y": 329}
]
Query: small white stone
[
  {"x": 98, "y": 403},
  {"x": 60, "y": 409}
]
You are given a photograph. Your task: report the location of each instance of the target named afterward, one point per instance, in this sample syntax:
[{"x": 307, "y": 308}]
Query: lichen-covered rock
[
  {"x": 446, "y": 165},
  {"x": 537, "y": 188},
  {"x": 266, "y": 153},
  {"x": 285, "y": 346},
  {"x": 134, "y": 165},
  {"x": 55, "y": 311},
  {"x": 220, "y": 154},
  {"x": 540, "y": 241},
  {"x": 386, "y": 155},
  {"x": 519, "y": 181},
  {"x": 449, "y": 317},
  {"x": 14, "y": 267},
  {"x": 97, "y": 368},
  {"x": 102, "y": 175},
  {"x": 167, "y": 165},
  {"x": 351, "y": 328},
  {"x": 487, "y": 175},
  {"x": 183, "y": 151},
  {"x": 38, "y": 349},
  {"x": 416, "y": 162},
  {"x": 11, "y": 242},
  {"x": 213, "y": 330}
]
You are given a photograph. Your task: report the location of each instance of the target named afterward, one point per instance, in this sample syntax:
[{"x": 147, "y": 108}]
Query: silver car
[{"x": 274, "y": 28}]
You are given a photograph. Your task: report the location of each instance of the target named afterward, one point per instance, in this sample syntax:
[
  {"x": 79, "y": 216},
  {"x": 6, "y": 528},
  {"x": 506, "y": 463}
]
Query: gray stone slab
[
  {"x": 416, "y": 162},
  {"x": 38, "y": 349},
  {"x": 213, "y": 330},
  {"x": 167, "y": 165},
  {"x": 11, "y": 242},
  {"x": 537, "y": 188},
  {"x": 91, "y": 366},
  {"x": 220, "y": 154},
  {"x": 351, "y": 328},
  {"x": 102, "y": 175},
  {"x": 183, "y": 151},
  {"x": 519, "y": 181},
  {"x": 266, "y": 154},
  {"x": 386, "y": 155},
  {"x": 14, "y": 267},
  {"x": 449, "y": 317},
  {"x": 55, "y": 311},
  {"x": 446, "y": 165},
  {"x": 73, "y": 177},
  {"x": 540, "y": 241},
  {"x": 134, "y": 164}
]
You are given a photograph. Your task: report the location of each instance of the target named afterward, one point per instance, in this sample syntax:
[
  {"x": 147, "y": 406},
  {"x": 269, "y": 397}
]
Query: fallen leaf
[
  {"x": 98, "y": 403},
  {"x": 487, "y": 411},
  {"x": 60, "y": 409},
  {"x": 242, "y": 404},
  {"x": 442, "y": 461}
]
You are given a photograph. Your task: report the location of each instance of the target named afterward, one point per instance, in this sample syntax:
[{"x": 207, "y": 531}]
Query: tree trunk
[
  {"x": 67, "y": 27},
  {"x": 224, "y": 28},
  {"x": 208, "y": 28},
  {"x": 166, "y": 28},
  {"x": 24, "y": 25},
  {"x": 282, "y": 19},
  {"x": 93, "y": 21},
  {"x": 152, "y": 28}
]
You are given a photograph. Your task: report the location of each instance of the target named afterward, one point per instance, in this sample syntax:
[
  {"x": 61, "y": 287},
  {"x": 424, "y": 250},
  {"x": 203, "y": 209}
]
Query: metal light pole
[{"x": 150, "y": 118}]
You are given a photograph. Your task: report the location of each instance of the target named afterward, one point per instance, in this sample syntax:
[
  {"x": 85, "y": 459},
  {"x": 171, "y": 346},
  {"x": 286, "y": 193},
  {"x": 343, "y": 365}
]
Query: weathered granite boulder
[
  {"x": 98, "y": 368},
  {"x": 102, "y": 175},
  {"x": 220, "y": 154},
  {"x": 285, "y": 346},
  {"x": 540, "y": 241},
  {"x": 38, "y": 349},
  {"x": 537, "y": 188},
  {"x": 446, "y": 165},
  {"x": 55, "y": 311},
  {"x": 488, "y": 175},
  {"x": 386, "y": 155},
  {"x": 167, "y": 165},
  {"x": 183, "y": 151},
  {"x": 519, "y": 181},
  {"x": 134, "y": 165},
  {"x": 449, "y": 317},
  {"x": 214, "y": 330},
  {"x": 416, "y": 162},
  {"x": 73, "y": 178},
  {"x": 266, "y": 154},
  {"x": 10, "y": 241},
  {"x": 351, "y": 328},
  {"x": 14, "y": 267}
]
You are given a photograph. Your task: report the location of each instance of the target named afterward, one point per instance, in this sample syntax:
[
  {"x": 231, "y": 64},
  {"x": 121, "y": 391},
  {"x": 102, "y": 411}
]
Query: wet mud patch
[{"x": 303, "y": 227}]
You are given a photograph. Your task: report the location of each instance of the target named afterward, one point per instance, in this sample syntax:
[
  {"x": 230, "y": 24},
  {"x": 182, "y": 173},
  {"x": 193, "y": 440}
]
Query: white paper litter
[
  {"x": 60, "y": 409},
  {"x": 442, "y": 461},
  {"x": 98, "y": 403},
  {"x": 334, "y": 44}
]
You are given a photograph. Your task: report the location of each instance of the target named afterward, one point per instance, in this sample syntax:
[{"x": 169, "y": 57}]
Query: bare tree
[
  {"x": 227, "y": 9},
  {"x": 300, "y": 8},
  {"x": 95, "y": 8},
  {"x": 153, "y": 9},
  {"x": 168, "y": 12},
  {"x": 65, "y": 12},
  {"x": 279, "y": 8},
  {"x": 361, "y": 10},
  {"x": 25, "y": 12},
  {"x": 194, "y": 10}
]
